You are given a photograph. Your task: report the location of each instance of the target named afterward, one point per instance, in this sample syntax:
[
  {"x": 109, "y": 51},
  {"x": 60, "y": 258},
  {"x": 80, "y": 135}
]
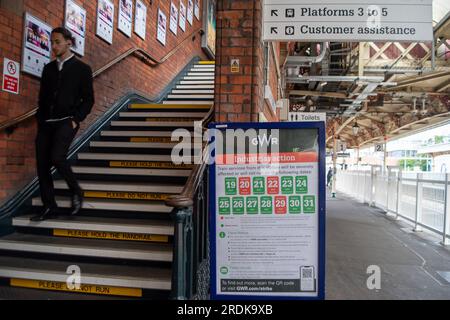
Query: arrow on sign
[
  {"x": 274, "y": 30},
  {"x": 274, "y": 13}
]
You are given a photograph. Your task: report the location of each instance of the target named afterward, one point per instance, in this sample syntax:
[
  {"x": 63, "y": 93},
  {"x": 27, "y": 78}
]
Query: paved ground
[{"x": 413, "y": 265}]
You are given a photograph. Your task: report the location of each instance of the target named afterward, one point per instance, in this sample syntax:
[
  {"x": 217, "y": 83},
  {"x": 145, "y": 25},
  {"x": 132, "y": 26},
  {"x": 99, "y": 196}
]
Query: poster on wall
[
  {"x": 173, "y": 18},
  {"x": 182, "y": 16},
  {"x": 209, "y": 25},
  {"x": 162, "y": 27},
  {"x": 75, "y": 21},
  {"x": 268, "y": 211},
  {"x": 190, "y": 12},
  {"x": 125, "y": 16},
  {"x": 197, "y": 9},
  {"x": 37, "y": 48},
  {"x": 105, "y": 20},
  {"x": 140, "y": 21}
]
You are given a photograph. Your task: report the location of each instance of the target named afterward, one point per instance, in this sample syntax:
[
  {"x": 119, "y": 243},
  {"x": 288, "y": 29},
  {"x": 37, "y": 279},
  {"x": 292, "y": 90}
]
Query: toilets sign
[
  {"x": 341, "y": 20},
  {"x": 11, "y": 76}
]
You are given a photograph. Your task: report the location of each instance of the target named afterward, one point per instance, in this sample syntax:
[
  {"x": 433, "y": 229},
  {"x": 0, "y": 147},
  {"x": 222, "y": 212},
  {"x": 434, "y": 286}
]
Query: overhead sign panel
[{"x": 364, "y": 20}]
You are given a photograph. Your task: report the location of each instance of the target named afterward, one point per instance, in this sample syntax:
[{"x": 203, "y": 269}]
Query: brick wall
[
  {"x": 17, "y": 164},
  {"x": 240, "y": 96}
]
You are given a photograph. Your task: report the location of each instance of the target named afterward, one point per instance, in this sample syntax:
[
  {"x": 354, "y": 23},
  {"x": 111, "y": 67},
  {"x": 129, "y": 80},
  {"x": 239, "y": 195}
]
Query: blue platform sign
[{"x": 267, "y": 211}]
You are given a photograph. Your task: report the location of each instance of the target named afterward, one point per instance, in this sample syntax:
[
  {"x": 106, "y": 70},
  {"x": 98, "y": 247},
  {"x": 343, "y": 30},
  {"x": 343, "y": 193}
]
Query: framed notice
[
  {"x": 197, "y": 9},
  {"x": 173, "y": 18},
  {"x": 190, "y": 12},
  {"x": 162, "y": 27},
  {"x": 140, "y": 21},
  {"x": 75, "y": 21},
  {"x": 343, "y": 20},
  {"x": 125, "y": 16},
  {"x": 268, "y": 211},
  {"x": 105, "y": 20},
  {"x": 37, "y": 48},
  {"x": 182, "y": 16},
  {"x": 209, "y": 25}
]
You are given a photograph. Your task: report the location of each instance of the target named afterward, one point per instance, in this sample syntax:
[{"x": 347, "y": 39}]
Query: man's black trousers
[{"x": 52, "y": 145}]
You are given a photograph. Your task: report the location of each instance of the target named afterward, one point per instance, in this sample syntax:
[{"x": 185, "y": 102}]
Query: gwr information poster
[{"x": 267, "y": 217}]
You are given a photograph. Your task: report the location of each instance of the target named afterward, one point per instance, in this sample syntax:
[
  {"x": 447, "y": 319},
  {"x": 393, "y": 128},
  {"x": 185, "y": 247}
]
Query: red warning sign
[{"x": 11, "y": 76}]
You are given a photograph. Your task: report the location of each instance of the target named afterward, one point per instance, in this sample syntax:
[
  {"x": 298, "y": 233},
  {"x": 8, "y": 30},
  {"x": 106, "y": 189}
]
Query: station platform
[{"x": 414, "y": 265}]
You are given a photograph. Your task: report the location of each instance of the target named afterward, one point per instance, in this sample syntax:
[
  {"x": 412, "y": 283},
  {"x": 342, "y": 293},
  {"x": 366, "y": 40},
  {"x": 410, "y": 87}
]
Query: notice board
[{"x": 267, "y": 210}]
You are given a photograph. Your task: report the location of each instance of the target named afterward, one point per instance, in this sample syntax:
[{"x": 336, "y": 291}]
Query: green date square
[
  {"x": 259, "y": 185},
  {"x": 266, "y": 205},
  {"x": 287, "y": 185},
  {"x": 238, "y": 205},
  {"x": 252, "y": 205},
  {"x": 230, "y": 186},
  {"x": 309, "y": 204},
  {"x": 295, "y": 205},
  {"x": 224, "y": 206},
  {"x": 301, "y": 185}
]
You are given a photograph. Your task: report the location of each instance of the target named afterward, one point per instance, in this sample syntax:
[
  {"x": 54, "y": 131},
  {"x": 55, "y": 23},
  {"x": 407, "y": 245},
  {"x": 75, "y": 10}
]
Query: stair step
[
  {"x": 203, "y": 69},
  {"x": 195, "y": 87},
  {"x": 163, "y": 114},
  {"x": 153, "y": 124},
  {"x": 124, "y": 157},
  {"x": 190, "y": 96},
  {"x": 135, "y": 226},
  {"x": 112, "y": 204},
  {"x": 206, "y": 102},
  {"x": 190, "y": 78},
  {"x": 169, "y": 106},
  {"x": 92, "y": 274},
  {"x": 201, "y": 74},
  {"x": 131, "y": 172},
  {"x": 204, "y": 65},
  {"x": 122, "y": 187},
  {"x": 207, "y": 62},
  {"x": 193, "y": 91},
  {"x": 133, "y": 134},
  {"x": 198, "y": 82},
  {"x": 86, "y": 247},
  {"x": 133, "y": 145}
]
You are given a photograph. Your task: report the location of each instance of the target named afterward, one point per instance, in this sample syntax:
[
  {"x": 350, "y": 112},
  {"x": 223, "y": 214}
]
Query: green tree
[{"x": 438, "y": 139}]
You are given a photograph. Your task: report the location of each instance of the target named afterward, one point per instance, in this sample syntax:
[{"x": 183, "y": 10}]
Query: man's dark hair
[{"x": 66, "y": 34}]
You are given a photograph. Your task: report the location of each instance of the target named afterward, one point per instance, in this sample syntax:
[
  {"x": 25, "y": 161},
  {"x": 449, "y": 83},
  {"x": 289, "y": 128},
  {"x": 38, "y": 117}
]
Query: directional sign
[{"x": 343, "y": 20}]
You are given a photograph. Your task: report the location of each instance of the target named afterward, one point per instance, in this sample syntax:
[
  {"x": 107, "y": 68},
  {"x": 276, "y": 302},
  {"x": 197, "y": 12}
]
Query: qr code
[{"x": 307, "y": 273}]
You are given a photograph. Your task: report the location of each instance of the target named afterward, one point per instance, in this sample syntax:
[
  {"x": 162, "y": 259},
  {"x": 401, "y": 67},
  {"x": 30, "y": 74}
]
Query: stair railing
[
  {"x": 190, "y": 273},
  {"x": 10, "y": 125}
]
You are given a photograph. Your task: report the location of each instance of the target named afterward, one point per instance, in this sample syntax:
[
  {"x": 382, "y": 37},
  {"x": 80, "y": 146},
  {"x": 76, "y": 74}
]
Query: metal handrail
[
  {"x": 186, "y": 198},
  {"x": 145, "y": 58}
]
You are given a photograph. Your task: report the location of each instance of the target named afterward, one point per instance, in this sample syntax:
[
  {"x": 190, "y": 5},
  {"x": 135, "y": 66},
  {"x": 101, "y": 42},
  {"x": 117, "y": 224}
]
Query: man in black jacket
[{"x": 66, "y": 98}]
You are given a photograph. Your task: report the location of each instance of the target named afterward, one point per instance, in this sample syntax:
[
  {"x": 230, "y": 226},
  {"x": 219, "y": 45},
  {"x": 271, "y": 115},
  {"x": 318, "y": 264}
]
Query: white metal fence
[{"x": 421, "y": 198}]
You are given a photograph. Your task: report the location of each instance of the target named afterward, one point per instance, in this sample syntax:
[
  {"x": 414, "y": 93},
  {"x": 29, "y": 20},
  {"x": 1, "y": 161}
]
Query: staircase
[{"x": 122, "y": 241}]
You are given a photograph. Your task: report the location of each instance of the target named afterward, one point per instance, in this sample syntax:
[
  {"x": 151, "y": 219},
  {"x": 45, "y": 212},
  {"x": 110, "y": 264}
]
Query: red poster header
[{"x": 286, "y": 157}]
